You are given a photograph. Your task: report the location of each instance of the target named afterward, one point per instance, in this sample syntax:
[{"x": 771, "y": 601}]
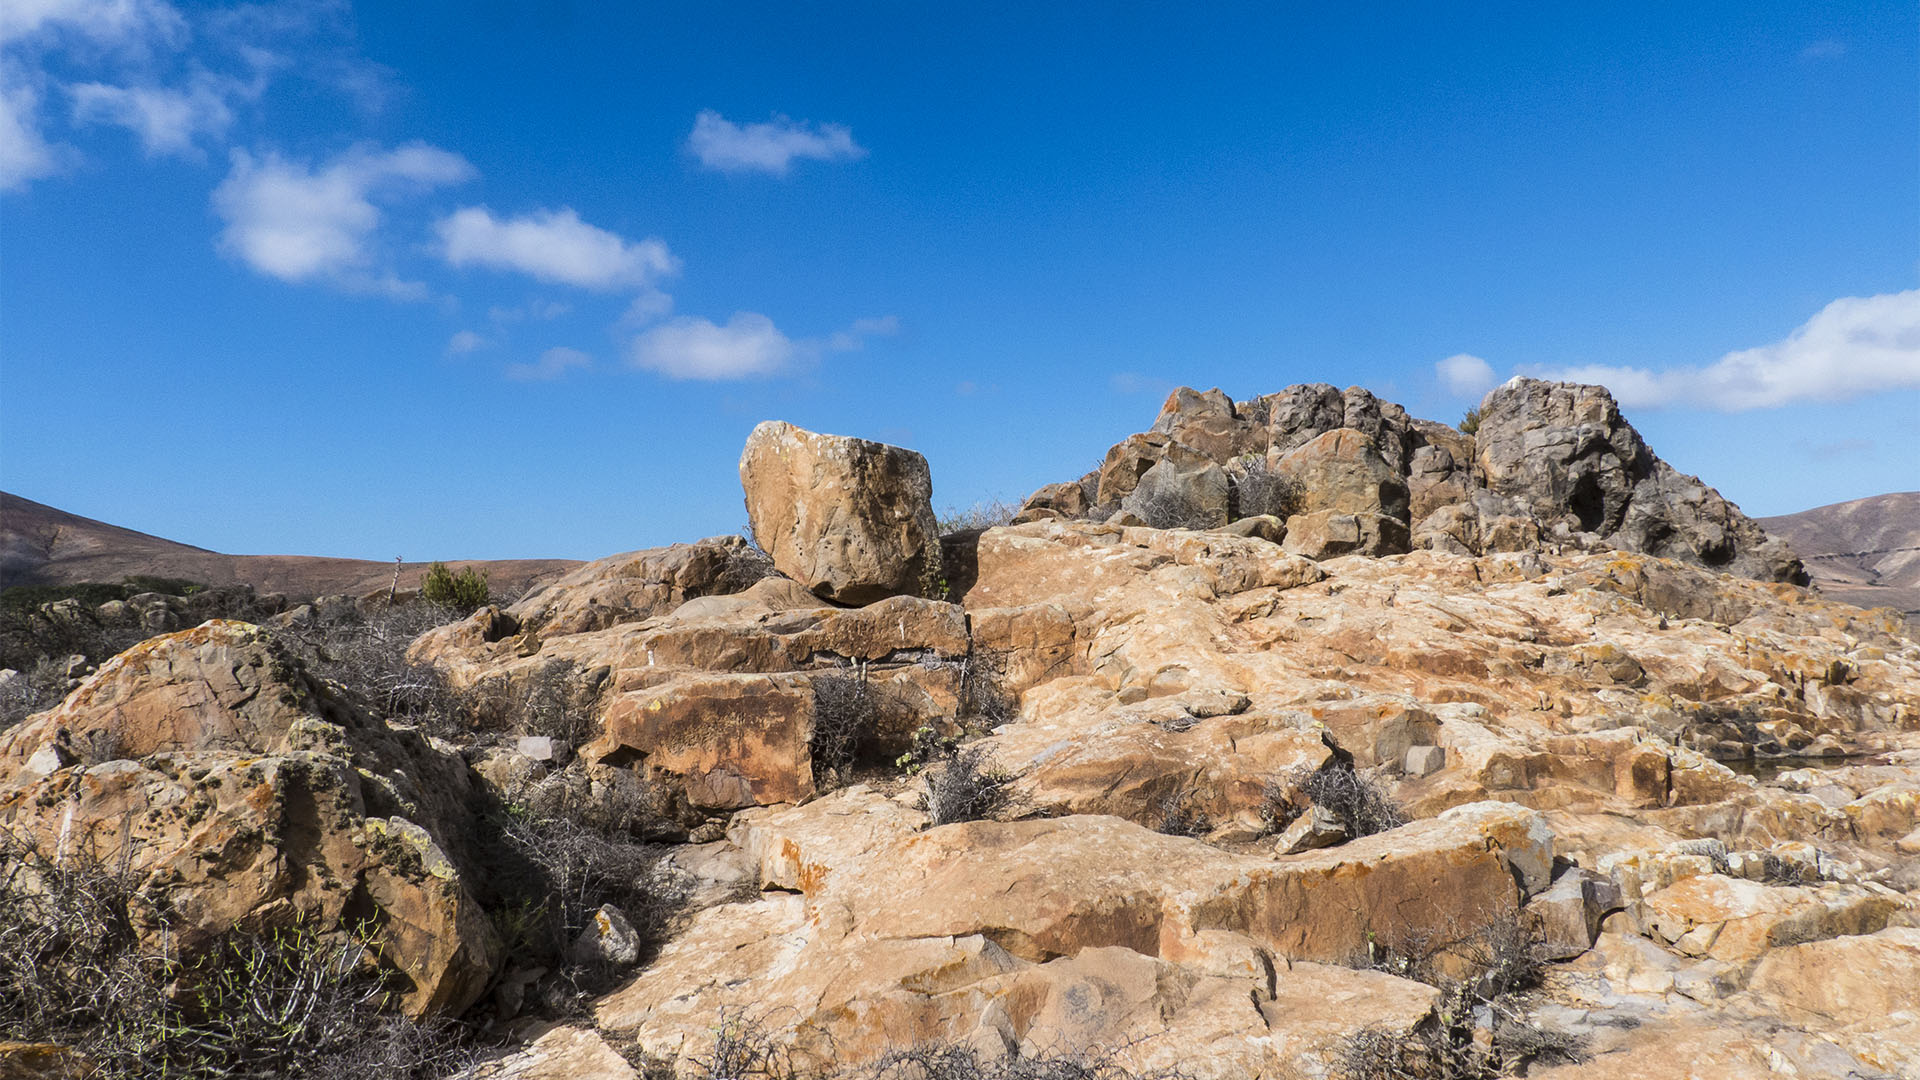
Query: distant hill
[
  {"x": 41, "y": 545},
  {"x": 1865, "y": 552}
]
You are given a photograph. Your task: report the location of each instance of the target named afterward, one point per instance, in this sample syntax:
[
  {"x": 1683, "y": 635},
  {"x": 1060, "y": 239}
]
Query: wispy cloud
[
  {"x": 1824, "y": 49},
  {"x": 299, "y": 223},
  {"x": 770, "y": 147},
  {"x": 1465, "y": 375},
  {"x": 552, "y": 245},
  {"x": 464, "y": 342},
  {"x": 1856, "y": 345},
  {"x": 166, "y": 120},
  {"x": 25, "y": 154},
  {"x": 553, "y": 364},
  {"x": 127, "y": 24},
  {"x": 747, "y": 346},
  {"x": 1132, "y": 382}
]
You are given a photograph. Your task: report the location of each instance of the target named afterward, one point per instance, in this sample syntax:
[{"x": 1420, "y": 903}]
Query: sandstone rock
[
  {"x": 561, "y": 1053},
  {"x": 1327, "y": 534},
  {"x": 850, "y": 519},
  {"x": 1342, "y": 472},
  {"x": 1055, "y": 500},
  {"x": 609, "y": 940},
  {"x": 1565, "y": 919},
  {"x": 1421, "y": 761},
  {"x": 1734, "y": 920},
  {"x": 728, "y": 740},
  {"x": 1180, "y": 493},
  {"x": 248, "y": 794},
  {"x": 1317, "y": 828}
]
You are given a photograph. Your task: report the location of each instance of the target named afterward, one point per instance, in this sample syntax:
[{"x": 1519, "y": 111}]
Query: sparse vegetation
[
  {"x": 1359, "y": 800},
  {"x": 846, "y": 713},
  {"x": 366, "y": 653},
  {"x": 985, "y": 514},
  {"x": 1259, "y": 489},
  {"x": 1178, "y": 816},
  {"x": 464, "y": 591},
  {"x": 958, "y": 1061},
  {"x": 1172, "y": 507},
  {"x": 967, "y": 786},
  {"x": 566, "y": 848},
  {"x": 1470, "y": 422},
  {"x": 1480, "y": 1029},
  {"x": 287, "y": 1002}
]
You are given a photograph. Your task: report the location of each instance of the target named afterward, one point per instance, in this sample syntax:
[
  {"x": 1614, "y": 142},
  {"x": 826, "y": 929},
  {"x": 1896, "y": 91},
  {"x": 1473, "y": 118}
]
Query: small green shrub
[
  {"x": 464, "y": 591},
  {"x": 1470, "y": 423}
]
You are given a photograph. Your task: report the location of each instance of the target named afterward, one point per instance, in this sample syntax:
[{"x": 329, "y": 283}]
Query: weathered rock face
[
  {"x": 245, "y": 794},
  {"x": 850, "y": 519},
  {"x": 1553, "y": 466},
  {"x": 1566, "y": 451}
]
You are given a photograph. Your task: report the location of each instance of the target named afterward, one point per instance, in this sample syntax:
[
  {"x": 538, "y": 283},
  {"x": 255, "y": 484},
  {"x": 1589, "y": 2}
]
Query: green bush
[
  {"x": 466, "y": 590},
  {"x": 1470, "y": 423}
]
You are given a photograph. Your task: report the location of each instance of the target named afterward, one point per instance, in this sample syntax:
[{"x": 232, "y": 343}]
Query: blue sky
[{"x": 450, "y": 280}]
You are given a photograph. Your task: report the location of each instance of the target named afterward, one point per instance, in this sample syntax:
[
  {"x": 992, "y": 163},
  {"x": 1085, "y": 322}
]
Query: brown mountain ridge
[{"x": 42, "y": 545}]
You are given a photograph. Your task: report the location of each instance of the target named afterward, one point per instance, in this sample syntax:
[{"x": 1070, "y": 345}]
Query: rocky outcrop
[
  {"x": 241, "y": 793},
  {"x": 1565, "y": 451},
  {"x": 851, "y": 520},
  {"x": 1552, "y": 466}
]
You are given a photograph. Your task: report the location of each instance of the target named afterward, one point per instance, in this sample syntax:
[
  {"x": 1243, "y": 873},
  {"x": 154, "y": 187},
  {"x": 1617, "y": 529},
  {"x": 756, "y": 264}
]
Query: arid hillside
[
  {"x": 1865, "y": 552},
  {"x": 41, "y": 545}
]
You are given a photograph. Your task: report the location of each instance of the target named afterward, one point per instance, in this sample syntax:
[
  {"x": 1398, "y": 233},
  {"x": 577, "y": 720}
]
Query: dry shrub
[
  {"x": 958, "y": 1061},
  {"x": 968, "y": 786},
  {"x": 1483, "y": 973},
  {"x": 1179, "y": 817},
  {"x": 743, "y": 1049},
  {"x": 746, "y": 566},
  {"x": 1172, "y": 507},
  {"x": 985, "y": 514},
  {"x": 565, "y": 849},
  {"x": 1359, "y": 800},
  {"x": 292, "y": 1002},
  {"x": 846, "y": 714},
  {"x": 1257, "y": 488},
  {"x": 366, "y": 653}
]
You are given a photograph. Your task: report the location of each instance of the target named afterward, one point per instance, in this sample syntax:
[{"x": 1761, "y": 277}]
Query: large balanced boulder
[
  {"x": 850, "y": 519},
  {"x": 241, "y": 793}
]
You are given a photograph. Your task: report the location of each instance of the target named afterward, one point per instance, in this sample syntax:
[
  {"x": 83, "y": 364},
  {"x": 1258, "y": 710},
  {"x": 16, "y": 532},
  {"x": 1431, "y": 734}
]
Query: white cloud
[
  {"x": 770, "y": 147},
  {"x": 1856, "y": 345},
  {"x": 537, "y": 310},
  {"x": 464, "y": 342},
  {"x": 1465, "y": 375},
  {"x": 25, "y": 155},
  {"x": 297, "y": 223},
  {"x": 856, "y": 335},
  {"x": 749, "y": 345},
  {"x": 693, "y": 348},
  {"x": 651, "y": 304},
  {"x": 165, "y": 120},
  {"x": 552, "y": 246},
  {"x": 553, "y": 364},
  {"x": 121, "y": 23}
]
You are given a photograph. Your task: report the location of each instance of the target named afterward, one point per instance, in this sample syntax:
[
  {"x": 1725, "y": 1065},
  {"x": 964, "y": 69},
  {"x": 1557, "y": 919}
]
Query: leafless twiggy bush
[
  {"x": 1258, "y": 488},
  {"x": 968, "y": 787},
  {"x": 985, "y": 514},
  {"x": 292, "y": 1002},
  {"x": 1359, "y": 800}
]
